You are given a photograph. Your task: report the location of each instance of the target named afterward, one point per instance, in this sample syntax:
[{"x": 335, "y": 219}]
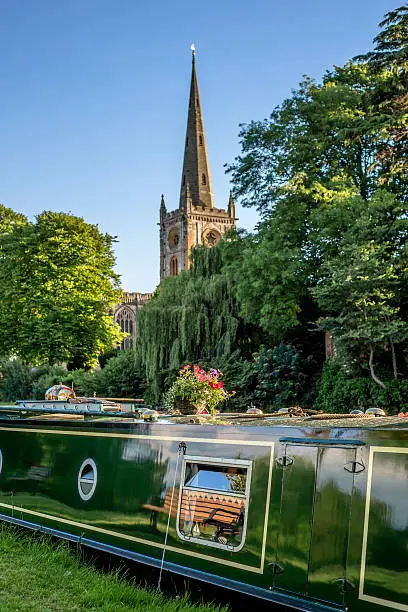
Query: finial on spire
[{"x": 193, "y": 50}]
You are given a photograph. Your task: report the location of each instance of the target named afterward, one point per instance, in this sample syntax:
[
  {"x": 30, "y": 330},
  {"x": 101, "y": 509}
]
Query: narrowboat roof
[{"x": 60, "y": 411}]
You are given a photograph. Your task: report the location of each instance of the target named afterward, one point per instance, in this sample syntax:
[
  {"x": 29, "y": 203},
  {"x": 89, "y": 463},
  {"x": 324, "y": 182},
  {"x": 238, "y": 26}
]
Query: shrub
[
  {"x": 280, "y": 376},
  {"x": 121, "y": 377},
  {"x": 15, "y": 380},
  {"x": 338, "y": 391}
]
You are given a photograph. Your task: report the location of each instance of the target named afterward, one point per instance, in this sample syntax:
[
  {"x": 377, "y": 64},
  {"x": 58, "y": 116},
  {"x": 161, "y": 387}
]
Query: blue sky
[{"x": 94, "y": 99}]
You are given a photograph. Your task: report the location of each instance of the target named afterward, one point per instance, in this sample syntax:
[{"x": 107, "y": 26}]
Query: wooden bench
[{"x": 223, "y": 511}]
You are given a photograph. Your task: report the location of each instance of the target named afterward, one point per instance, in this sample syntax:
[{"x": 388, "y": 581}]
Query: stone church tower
[{"x": 196, "y": 221}]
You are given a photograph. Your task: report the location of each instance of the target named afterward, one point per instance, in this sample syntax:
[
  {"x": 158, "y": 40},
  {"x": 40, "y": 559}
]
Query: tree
[
  {"x": 192, "y": 317},
  {"x": 360, "y": 286},
  {"x": 388, "y": 62},
  {"x": 10, "y": 219},
  {"x": 314, "y": 170},
  {"x": 57, "y": 285},
  {"x": 268, "y": 271},
  {"x": 391, "y": 45},
  {"x": 349, "y": 129}
]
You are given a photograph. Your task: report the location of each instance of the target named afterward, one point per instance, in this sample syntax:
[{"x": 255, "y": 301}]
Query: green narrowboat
[{"x": 308, "y": 513}]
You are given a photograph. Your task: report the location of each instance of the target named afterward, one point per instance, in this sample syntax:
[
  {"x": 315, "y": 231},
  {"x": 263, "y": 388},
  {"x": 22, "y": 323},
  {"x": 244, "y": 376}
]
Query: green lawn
[{"x": 39, "y": 575}]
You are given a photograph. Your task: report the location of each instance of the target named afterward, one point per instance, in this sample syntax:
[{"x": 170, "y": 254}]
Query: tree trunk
[
  {"x": 370, "y": 363},
  {"x": 394, "y": 359}
]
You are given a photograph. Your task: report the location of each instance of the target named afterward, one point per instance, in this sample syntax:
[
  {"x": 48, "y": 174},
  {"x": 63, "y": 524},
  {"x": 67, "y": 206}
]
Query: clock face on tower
[{"x": 211, "y": 238}]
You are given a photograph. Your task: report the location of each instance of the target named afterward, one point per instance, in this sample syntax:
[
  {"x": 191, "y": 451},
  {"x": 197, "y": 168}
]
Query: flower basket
[{"x": 195, "y": 391}]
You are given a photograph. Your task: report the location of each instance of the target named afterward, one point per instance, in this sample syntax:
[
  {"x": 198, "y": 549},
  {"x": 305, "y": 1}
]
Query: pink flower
[{"x": 186, "y": 367}]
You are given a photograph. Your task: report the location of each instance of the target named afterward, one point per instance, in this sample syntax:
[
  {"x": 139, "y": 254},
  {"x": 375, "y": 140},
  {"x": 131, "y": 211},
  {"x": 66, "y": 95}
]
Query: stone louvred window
[
  {"x": 173, "y": 266},
  {"x": 203, "y": 179}
]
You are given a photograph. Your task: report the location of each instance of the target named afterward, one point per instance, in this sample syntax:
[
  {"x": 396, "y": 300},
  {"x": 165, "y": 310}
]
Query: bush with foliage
[
  {"x": 121, "y": 377},
  {"x": 338, "y": 391},
  {"x": 15, "y": 380},
  {"x": 280, "y": 376}
]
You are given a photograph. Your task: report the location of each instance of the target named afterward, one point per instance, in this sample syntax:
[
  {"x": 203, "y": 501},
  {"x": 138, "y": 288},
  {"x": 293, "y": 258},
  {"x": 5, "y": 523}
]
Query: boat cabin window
[{"x": 213, "y": 502}]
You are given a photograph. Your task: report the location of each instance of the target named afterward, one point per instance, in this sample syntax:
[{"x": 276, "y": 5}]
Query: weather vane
[{"x": 193, "y": 49}]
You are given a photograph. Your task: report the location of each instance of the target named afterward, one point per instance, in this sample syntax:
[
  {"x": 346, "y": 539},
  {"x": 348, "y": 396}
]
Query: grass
[{"x": 38, "y": 574}]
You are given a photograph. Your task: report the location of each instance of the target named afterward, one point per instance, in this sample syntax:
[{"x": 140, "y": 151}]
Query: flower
[{"x": 204, "y": 390}]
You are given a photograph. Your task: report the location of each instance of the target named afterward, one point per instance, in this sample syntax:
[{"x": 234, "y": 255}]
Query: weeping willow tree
[{"x": 192, "y": 317}]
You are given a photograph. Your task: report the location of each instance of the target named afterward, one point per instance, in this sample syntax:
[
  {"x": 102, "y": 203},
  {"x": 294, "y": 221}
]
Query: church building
[{"x": 196, "y": 221}]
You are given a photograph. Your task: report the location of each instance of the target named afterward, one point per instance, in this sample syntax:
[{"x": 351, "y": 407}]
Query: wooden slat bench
[{"x": 201, "y": 508}]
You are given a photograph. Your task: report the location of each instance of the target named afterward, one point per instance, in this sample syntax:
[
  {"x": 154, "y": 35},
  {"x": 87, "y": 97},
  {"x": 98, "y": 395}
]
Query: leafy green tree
[
  {"x": 10, "y": 219},
  {"x": 319, "y": 140},
  {"x": 268, "y": 271},
  {"x": 57, "y": 285},
  {"x": 391, "y": 44},
  {"x": 350, "y": 130},
  {"x": 193, "y": 317},
  {"x": 388, "y": 63},
  {"x": 313, "y": 170},
  {"x": 360, "y": 287}
]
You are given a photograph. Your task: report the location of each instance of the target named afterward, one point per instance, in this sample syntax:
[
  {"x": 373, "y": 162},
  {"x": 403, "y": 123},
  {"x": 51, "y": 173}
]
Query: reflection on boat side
[{"x": 212, "y": 517}]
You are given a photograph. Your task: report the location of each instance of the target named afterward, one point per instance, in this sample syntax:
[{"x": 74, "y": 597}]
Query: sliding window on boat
[{"x": 213, "y": 501}]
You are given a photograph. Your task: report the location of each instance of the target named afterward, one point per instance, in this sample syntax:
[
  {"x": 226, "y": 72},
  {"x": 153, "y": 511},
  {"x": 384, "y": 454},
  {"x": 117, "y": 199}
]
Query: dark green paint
[{"x": 316, "y": 515}]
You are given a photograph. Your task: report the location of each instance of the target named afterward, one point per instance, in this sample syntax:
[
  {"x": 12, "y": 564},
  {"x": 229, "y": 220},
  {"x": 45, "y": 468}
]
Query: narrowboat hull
[{"x": 312, "y": 517}]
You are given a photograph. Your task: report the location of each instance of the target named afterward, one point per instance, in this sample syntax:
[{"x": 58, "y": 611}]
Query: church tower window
[
  {"x": 125, "y": 319},
  {"x": 173, "y": 266},
  {"x": 203, "y": 179},
  {"x": 200, "y": 139}
]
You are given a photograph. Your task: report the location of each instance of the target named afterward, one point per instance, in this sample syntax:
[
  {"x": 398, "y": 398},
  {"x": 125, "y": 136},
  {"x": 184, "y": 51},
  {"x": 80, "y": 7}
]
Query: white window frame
[
  {"x": 215, "y": 461},
  {"x": 82, "y": 495}
]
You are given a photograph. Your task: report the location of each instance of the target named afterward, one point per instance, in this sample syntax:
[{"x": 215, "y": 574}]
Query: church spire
[{"x": 196, "y": 169}]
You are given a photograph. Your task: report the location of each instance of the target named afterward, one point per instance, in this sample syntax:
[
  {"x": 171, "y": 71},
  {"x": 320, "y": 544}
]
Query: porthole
[
  {"x": 1, "y": 461},
  {"x": 87, "y": 479}
]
